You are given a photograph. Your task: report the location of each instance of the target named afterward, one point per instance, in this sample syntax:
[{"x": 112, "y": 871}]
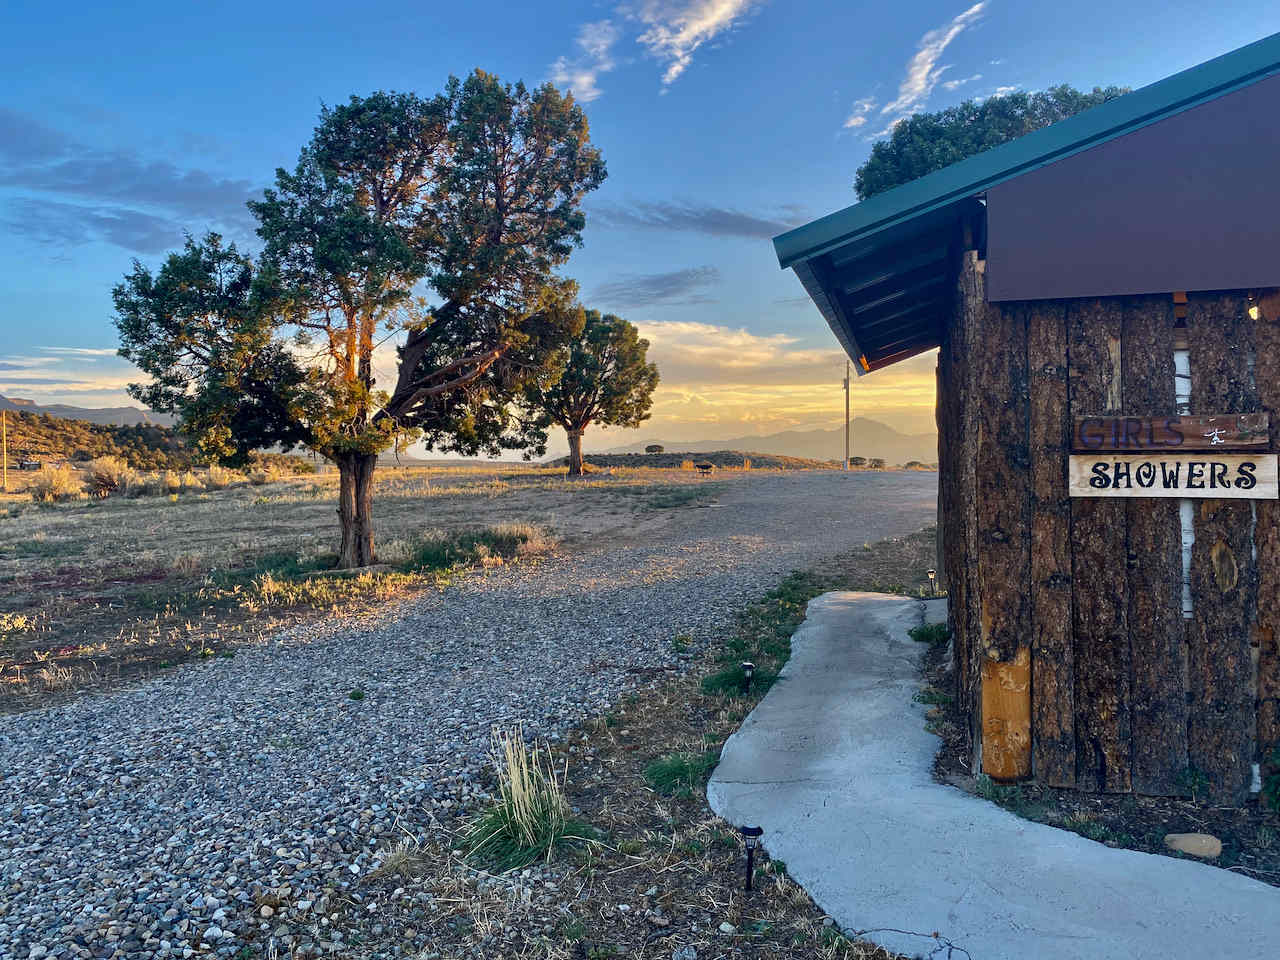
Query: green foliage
[
  {"x": 934, "y": 634},
  {"x": 1194, "y": 783},
  {"x": 729, "y": 681},
  {"x": 926, "y": 142},
  {"x": 469, "y": 546},
  {"x": 356, "y": 694},
  {"x": 603, "y": 377},
  {"x": 679, "y": 774}
]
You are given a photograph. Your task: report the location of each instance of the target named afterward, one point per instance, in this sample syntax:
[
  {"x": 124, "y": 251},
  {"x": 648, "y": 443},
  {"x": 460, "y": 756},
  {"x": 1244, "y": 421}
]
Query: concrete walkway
[{"x": 835, "y": 763}]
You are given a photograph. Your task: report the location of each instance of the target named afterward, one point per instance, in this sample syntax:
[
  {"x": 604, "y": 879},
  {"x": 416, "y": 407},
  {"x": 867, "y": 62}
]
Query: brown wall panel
[
  {"x": 1098, "y": 569},
  {"x": 1223, "y": 577},
  {"x": 1052, "y": 669},
  {"x": 1156, "y": 633}
]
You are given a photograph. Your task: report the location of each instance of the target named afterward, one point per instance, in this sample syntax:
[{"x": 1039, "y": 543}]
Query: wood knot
[{"x": 1225, "y": 569}]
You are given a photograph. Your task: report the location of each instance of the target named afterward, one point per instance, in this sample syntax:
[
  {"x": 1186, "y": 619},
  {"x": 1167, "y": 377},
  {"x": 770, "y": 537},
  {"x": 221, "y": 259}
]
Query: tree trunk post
[
  {"x": 355, "y": 508},
  {"x": 575, "y": 452}
]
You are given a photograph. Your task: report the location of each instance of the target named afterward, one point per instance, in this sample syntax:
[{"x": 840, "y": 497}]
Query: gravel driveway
[{"x": 141, "y": 823}]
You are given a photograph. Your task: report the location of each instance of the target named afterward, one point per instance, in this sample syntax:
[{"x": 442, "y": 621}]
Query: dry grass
[{"x": 98, "y": 591}]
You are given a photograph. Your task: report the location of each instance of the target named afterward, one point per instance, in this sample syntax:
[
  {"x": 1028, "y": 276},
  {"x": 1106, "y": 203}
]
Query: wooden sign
[
  {"x": 1221, "y": 431},
  {"x": 1215, "y": 477}
]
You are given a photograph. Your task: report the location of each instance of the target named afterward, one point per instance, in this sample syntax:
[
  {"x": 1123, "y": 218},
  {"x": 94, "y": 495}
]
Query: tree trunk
[
  {"x": 575, "y": 452},
  {"x": 355, "y": 508}
]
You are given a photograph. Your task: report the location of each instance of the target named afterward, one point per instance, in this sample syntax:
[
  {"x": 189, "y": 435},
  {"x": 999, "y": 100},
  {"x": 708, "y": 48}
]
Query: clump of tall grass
[
  {"x": 55, "y": 485},
  {"x": 172, "y": 481},
  {"x": 530, "y": 816},
  {"x": 503, "y": 541},
  {"x": 191, "y": 483}
]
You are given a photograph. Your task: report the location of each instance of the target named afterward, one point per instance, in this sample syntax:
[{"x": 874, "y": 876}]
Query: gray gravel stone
[{"x": 143, "y": 821}]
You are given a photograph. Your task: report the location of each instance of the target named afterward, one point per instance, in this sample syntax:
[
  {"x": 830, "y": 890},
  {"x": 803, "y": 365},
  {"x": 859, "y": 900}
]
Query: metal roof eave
[{"x": 975, "y": 174}]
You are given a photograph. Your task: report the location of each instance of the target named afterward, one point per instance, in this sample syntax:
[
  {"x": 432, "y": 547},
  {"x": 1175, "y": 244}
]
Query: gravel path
[{"x": 142, "y": 823}]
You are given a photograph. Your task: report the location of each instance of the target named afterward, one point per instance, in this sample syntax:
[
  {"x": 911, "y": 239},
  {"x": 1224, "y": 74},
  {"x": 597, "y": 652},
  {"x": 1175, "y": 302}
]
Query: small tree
[
  {"x": 654, "y": 448},
  {"x": 857, "y": 461},
  {"x": 442, "y": 219},
  {"x": 606, "y": 380},
  {"x": 926, "y": 142}
]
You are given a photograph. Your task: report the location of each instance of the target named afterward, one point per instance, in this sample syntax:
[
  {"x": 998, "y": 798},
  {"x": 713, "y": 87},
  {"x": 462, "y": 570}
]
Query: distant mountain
[
  {"x": 106, "y": 416},
  {"x": 867, "y": 438}
]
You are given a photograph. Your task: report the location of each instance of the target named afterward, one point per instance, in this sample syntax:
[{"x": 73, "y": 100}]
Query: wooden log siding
[
  {"x": 1004, "y": 532},
  {"x": 1100, "y": 607},
  {"x": 1052, "y": 670},
  {"x": 1220, "y": 669},
  {"x": 1266, "y": 537},
  {"x": 1156, "y": 632}
]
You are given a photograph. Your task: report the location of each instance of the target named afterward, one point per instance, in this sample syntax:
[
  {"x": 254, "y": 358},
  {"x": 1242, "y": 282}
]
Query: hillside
[
  {"x": 868, "y": 438},
  {"x": 721, "y": 458},
  {"x": 43, "y": 436},
  {"x": 107, "y": 416}
]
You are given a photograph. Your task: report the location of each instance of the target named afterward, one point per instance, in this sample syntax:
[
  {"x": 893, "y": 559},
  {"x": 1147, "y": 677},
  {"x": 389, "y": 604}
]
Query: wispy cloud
[
  {"x": 700, "y": 218},
  {"x": 581, "y": 73},
  {"x": 670, "y": 31},
  {"x": 923, "y": 74},
  {"x": 1001, "y": 91},
  {"x": 66, "y": 193},
  {"x": 860, "y": 112},
  {"x": 675, "y": 29},
  {"x": 84, "y": 352},
  {"x": 923, "y": 71},
  {"x": 676, "y": 288},
  {"x": 957, "y": 84}
]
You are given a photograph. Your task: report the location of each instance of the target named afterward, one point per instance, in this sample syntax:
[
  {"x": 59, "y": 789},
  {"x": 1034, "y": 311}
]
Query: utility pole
[
  {"x": 846, "y": 413},
  {"x": 4, "y": 448}
]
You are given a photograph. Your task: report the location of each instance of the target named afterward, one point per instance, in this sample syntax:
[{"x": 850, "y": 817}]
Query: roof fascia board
[{"x": 1150, "y": 104}]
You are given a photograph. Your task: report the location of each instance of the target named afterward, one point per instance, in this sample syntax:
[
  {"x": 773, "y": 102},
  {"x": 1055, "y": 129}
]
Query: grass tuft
[
  {"x": 934, "y": 634},
  {"x": 679, "y": 774},
  {"x": 530, "y": 817}
]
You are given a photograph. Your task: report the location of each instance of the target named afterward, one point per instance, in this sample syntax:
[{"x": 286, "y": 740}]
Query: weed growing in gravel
[
  {"x": 506, "y": 541},
  {"x": 679, "y": 774},
  {"x": 530, "y": 817}
]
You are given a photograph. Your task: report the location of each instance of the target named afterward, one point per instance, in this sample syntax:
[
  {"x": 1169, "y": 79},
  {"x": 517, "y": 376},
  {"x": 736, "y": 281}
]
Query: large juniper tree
[
  {"x": 606, "y": 379},
  {"x": 926, "y": 142},
  {"x": 440, "y": 219}
]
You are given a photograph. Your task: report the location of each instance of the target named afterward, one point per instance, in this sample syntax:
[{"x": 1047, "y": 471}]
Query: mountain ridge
[{"x": 103, "y": 416}]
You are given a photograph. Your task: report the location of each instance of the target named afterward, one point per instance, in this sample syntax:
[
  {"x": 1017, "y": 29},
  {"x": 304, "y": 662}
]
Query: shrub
[
  {"x": 877, "y": 463},
  {"x": 219, "y": 478},
  {"x": 191, "y": 483},
  {"x": 686, "y": 464},
  {"x": 55, "y": 485},
  {"x": 263, "y": 476},
  {"x": 857, "y": 461},
  {"x": 746, "y": 463},
  {"x": 654, "y": 448},
  {"x": 171, "y": 481},
  {"x": 530, "y": 817},
  {"x": 934, "y": 634},
  {"x": 678, "y": 774},
  {"x": 108, "y": 475}
]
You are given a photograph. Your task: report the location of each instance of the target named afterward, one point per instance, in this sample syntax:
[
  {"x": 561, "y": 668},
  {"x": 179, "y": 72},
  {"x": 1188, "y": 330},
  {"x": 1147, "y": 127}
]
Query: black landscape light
[
  {"x": 933, "y": 582},
  {"x": 750, "y": 839},
  {"x": 748, "y": 671}
]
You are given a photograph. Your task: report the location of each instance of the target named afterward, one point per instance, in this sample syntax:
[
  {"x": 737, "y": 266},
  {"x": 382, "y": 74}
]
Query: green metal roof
[{"x": 975, "y": 174}]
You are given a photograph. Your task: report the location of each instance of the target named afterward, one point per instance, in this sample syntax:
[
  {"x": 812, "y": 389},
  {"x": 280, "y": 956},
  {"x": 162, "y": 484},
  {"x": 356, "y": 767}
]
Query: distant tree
[
  {"x": 654, "y": 448},
  {"x": 926, "y": 142},
  {"x": 857, "y": 461},
  {"x": 606, "y": 379},
  {"x": 877, "y": 463},
  {"x": 444, "y": 219}
]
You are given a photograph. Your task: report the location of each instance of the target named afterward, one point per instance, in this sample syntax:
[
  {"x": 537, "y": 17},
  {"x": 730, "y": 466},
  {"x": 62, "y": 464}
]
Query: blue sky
[{"x": 722, "y": 122}]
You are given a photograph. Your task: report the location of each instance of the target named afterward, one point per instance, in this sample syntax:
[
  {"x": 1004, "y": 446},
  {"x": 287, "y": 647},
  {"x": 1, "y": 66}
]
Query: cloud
[
  {"x": 82, "y": 351},
  {"x": 699, "y": 218},
  {"x": 676, "y": 288},
  {"x": 859, "y": 113},
  {"x": 675, "y": 29},
  {"x": 67, "y": 193},
  {"x": 580, "y": 75},
  {"x": 923, "y": 72},
  {"x": 957, "y": 84},
  {"x": 1001, "y": 91}
]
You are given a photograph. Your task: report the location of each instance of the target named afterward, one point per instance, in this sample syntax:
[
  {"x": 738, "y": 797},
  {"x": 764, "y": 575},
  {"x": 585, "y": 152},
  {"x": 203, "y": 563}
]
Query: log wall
[{"x": 1123, "y": 693}]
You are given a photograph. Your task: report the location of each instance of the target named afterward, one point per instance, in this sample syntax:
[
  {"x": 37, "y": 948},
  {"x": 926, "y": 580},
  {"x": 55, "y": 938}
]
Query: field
[{"x": 104, "y": 590}]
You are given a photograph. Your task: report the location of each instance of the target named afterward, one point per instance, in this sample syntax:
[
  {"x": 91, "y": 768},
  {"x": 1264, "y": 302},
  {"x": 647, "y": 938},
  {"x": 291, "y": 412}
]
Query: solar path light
[
  {"x": 933, "y": 582},
  {"x": 748, "y": 671},
  {"x": 750, "y": 839}
]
